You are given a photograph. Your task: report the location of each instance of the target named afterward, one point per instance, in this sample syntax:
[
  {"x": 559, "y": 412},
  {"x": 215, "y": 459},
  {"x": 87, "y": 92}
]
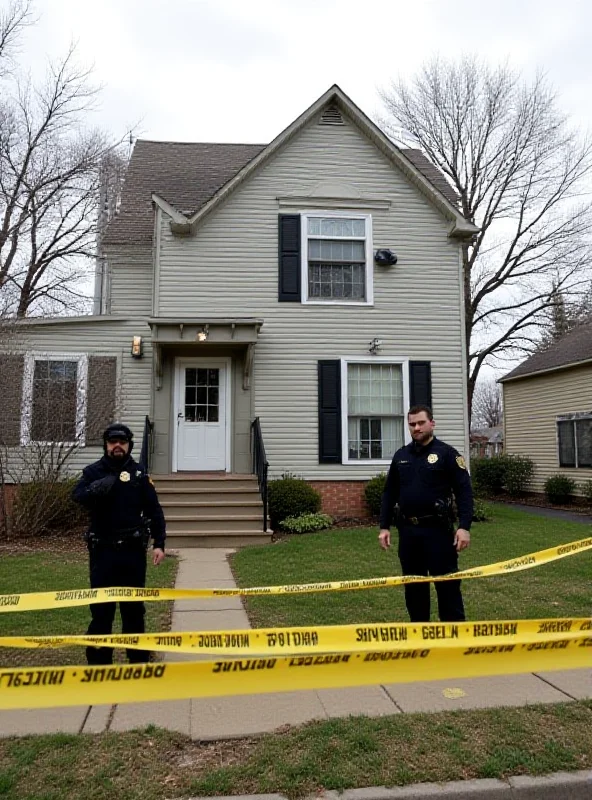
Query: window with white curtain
[
  {"x": 338, "y": 267},
  {"x": 375, "y": 411}
]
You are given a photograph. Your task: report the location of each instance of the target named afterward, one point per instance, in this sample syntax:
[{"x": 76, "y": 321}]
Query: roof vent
[{"x": 331, "y": 116}]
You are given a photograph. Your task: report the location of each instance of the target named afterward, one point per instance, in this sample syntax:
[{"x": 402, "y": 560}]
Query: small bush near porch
[{"x": 559, "y": 589}]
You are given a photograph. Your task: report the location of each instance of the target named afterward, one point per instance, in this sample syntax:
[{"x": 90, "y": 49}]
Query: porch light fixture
[
  {"x": 203, "y": 334},
  {"x": 374, "y": 346},
  {"x": 137, "y": 347}
]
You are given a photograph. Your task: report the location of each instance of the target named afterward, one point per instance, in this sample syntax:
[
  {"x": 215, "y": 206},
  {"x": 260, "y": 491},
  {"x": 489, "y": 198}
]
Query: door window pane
[{"x": 202, "y": 395}]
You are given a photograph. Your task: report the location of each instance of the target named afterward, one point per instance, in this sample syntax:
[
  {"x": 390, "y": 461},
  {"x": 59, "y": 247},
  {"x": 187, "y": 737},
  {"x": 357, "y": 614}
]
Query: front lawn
[
  {"x": 333, "y": 754},
  {"x": 47, "y": 571},
  {"x": 559, "y": 589}
]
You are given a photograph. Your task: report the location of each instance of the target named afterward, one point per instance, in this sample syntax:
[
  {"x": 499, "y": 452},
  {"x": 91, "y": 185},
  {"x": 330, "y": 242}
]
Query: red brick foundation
[{"x": 343, "y": 499}]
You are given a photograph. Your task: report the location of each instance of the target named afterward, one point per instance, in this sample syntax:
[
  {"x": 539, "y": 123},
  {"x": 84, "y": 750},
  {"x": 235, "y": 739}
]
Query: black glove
[{"x": 103, "y": 485}]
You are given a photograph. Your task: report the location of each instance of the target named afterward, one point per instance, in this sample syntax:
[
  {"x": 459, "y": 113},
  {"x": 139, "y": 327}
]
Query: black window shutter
[
  {"x": 289, "y": 258},
  {"x": 102, "y": 397},
  {"x": 330, "y": 412},
  {"x": 11, "y": 396},
  {"x": 420, "y": 383}
]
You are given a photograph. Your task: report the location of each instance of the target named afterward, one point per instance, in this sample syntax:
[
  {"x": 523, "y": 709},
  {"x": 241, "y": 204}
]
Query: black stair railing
[
  {"x": 147, "y": 445},
  {"x": 260, "y": 464}
]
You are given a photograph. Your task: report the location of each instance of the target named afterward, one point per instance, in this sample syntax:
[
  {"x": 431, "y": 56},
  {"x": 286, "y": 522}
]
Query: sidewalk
[{"x": 232, "y": 717}]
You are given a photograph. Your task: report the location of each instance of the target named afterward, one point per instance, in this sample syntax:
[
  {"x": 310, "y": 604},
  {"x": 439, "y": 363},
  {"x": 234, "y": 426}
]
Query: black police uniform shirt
[
  {"x": 420, "y": 476},
  {"x": 126, "y": 505}
]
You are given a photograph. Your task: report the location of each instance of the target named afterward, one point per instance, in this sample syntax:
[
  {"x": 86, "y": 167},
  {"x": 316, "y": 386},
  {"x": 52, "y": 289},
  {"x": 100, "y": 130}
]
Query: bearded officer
[
  {"x": 423, "y": 477},
  {"x": 124, "y": 512}
]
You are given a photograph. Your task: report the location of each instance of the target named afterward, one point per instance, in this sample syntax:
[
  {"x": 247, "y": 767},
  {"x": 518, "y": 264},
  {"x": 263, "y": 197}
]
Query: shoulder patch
[
  {"x": 461, "y": 462},
  {"x": 150, "y": 481}
]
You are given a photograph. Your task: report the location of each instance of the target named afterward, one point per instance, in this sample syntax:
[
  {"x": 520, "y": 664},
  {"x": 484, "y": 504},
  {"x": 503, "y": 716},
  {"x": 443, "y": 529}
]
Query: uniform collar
[
  {"x": 118, "y": 466},
  {"x": 420, "y": 449}
]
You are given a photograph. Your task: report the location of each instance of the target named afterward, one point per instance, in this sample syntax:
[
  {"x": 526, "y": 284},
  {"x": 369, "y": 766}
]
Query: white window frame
[
  {"x": 573, "y": 418},
  {"x": 304, "y": 217},
  {"x": 81, "y": 392},
  {"x": 345, "y": 361}
]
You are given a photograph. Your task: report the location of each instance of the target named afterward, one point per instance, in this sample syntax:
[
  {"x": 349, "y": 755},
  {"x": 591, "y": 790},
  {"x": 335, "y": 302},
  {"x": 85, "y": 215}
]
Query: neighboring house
[
  {"x": 548, "y": 409},
  {"x": 487, "y": 442},
  {"x": 246, "y": 277}
]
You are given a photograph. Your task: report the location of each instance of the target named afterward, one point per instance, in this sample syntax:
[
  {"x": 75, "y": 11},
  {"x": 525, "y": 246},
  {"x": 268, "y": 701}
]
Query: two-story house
[{"x": 313, "y": 284}]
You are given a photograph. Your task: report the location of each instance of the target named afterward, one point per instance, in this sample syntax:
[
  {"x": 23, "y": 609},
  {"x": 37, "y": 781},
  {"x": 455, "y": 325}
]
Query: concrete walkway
[{"x": 230, "y": 717}]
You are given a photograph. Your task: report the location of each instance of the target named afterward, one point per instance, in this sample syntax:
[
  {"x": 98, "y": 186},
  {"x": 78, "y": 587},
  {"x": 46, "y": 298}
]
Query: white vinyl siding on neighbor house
[
  {"x": 375, "y": 397},
  {"x": 337, "y": 259},
  {"x": 532, "y": 407},
  {"x": 230, "y": 268}
]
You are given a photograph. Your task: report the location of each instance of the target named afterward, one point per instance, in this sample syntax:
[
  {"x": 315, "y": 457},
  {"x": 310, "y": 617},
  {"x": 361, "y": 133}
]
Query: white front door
[{"x": 201, "y": 414}]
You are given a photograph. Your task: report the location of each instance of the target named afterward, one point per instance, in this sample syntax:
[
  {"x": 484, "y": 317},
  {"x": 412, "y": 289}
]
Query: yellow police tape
[
  {"x": 63, "y": 686},
  {"x": 35, "y": 601},
  {"x": 325, "y": 638}
]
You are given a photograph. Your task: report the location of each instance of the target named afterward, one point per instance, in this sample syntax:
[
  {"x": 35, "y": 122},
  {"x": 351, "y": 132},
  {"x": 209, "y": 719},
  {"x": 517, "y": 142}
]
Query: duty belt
[{"x": 425, "y": 518}]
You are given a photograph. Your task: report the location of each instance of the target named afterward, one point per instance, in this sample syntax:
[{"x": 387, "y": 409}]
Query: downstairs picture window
[
  {"x": 575, "y": 441},
  {"x": 375, "y": 411},
  {"x": 54, "y": 391}
]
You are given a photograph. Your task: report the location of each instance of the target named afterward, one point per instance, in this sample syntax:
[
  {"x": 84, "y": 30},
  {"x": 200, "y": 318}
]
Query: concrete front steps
[{"x": 211, "y": 509}]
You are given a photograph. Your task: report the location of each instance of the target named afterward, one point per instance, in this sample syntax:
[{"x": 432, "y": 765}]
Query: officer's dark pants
[
  {"x": 430, "y": 551},
  {"x": 110, "y": 566}
]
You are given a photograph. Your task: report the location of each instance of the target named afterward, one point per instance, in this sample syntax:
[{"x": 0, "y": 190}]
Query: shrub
[
  {"x": 373, "y": 492},
  {"x": 488, "y": 474},
  {"x": 291, "y": 497},
  {"x": 481, "y": 511},
  {"x": 587, "y": 490},
  {"x": 559, "y": 489},
  {"x": 306, "y": 523},
  {"x": 43, "y": 507},
  {"x": 518, "y": 473}
]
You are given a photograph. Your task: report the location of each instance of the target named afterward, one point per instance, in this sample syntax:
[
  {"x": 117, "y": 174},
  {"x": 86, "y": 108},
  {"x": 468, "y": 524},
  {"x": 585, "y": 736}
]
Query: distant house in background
[
  {"x": 487, "y": 442},
  {"x": 548, "y": 409}
]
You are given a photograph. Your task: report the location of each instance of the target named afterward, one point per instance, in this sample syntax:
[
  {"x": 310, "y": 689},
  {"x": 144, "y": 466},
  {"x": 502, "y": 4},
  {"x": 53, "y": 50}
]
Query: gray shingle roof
[
  {"x": 572, "y": 348},
  {"x": 432, "y": 173},
  {"x": 187, "y": 175}
]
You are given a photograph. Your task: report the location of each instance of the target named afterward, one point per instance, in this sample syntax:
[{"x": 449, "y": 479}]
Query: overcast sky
[{"x": 242, "y": 70}]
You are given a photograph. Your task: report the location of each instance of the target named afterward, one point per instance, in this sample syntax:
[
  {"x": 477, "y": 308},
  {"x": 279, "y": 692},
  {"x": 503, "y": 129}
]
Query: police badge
[
  {"x": 124, "y": 476},
  {"x": 432, "y": 458}
]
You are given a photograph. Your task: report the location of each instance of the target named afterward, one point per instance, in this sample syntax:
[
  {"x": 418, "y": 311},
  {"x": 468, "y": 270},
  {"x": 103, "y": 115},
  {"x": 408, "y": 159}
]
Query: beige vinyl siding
[
  {"x": 105, "y": 338},
  {"x": 531, "y": 406},
  {"x": 230, "y": 268},
  {"x": 130, "y": 282}
]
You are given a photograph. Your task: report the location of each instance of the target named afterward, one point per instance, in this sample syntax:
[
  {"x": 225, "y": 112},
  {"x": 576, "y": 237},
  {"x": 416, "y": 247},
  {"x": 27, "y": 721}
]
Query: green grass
[
  {"x": 46, "y": 571},
  {"x": 334, "y": 754},
  {"x": 561, "y": 588}
]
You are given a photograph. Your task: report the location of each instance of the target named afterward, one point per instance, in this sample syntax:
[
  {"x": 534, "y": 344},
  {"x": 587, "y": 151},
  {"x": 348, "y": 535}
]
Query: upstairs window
[{"x": 337, "y": 263}]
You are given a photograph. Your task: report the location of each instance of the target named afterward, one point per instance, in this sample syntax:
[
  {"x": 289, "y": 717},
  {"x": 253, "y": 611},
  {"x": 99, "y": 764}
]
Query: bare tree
[
  {"x": 487, "y": 405},
  {"x": 13, "y": 19},
  {"x": 520, "y": 173},
  {"x": 50, "y": 182}
]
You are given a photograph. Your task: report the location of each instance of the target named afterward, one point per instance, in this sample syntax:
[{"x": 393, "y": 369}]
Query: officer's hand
[
  {"x": 157, "y": 556},
  {"x": 462, "y": 539},
  {"x": 384, "y": 537},
  {"x": 103, "y": 485}
]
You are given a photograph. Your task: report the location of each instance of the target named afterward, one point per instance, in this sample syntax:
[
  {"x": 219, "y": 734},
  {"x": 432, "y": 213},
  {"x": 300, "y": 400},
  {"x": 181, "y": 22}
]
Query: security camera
[{"x": 385, "y": 258}]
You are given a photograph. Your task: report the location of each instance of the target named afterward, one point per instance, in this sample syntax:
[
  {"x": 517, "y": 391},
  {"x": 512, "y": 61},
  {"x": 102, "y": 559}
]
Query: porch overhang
[{"x": 203, "y": 333}]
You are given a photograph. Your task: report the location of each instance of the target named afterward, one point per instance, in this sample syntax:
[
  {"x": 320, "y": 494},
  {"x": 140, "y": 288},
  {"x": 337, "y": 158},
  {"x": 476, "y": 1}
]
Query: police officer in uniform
[
  {"x": 421, "y": 481},
  {"x": 124, "y": 512}
]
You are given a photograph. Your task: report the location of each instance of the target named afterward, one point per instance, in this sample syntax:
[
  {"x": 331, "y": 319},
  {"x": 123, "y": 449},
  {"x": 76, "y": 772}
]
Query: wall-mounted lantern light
[
  {"x": 137, "y": 347},
  {"x": 203, "y": 334}
]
